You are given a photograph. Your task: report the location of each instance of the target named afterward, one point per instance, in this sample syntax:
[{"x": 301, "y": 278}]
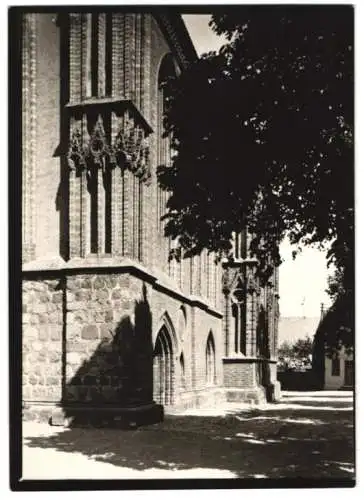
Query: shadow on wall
[{"x": 118, "y": 375}]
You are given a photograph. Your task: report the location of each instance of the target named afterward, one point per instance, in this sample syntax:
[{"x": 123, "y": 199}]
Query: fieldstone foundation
[{"x": 88, "y": 350}]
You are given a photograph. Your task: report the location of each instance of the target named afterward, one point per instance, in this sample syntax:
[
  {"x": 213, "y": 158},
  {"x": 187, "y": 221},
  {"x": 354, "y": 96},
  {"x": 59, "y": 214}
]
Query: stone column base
[
  {"x": 273, "y": 392},
  {"x": 107, "y": 415}
]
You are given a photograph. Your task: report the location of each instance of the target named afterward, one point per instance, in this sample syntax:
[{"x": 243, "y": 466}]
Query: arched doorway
[{"x": 163, "y": 369}]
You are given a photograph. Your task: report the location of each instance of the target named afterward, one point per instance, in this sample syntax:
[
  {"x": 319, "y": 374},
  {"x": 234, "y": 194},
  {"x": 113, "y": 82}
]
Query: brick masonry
[{"x": 92, "y": 308}]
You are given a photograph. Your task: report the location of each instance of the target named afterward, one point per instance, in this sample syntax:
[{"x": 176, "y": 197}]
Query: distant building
[
  {"x": 334, "y": 369},
  {"x": 339, "y": 371}
]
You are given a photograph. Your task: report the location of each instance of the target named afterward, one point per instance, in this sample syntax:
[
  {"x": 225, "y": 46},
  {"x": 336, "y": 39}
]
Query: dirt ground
[{"x": 306, "y": 435}]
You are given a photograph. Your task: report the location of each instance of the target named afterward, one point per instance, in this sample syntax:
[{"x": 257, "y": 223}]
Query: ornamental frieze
[{"x": 128, "y": 150}]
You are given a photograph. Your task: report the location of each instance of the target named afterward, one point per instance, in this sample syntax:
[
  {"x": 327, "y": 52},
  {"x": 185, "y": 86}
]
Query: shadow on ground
[{"x": 274, "y": 442}]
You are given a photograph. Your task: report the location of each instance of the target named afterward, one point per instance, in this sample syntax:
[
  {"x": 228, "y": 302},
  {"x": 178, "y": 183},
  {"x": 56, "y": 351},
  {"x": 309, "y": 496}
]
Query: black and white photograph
[{"x": 181, "y": 246}]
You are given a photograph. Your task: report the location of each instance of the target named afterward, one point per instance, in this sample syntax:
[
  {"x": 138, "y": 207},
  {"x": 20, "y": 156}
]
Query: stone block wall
[
  {"x": 88, "y": 339},
  {"x": 42, "y": 340},
  {"x": 100, "y": 320}
]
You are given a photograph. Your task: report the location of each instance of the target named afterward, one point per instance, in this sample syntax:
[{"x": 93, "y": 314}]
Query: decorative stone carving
[
  {"x": 252, "y": 285},
  {"x": 76, "y": 153},
  {"x": 239, "y": 295},
  {"x": 130, "y": 149},
  {"x": 98, "y": 148}
]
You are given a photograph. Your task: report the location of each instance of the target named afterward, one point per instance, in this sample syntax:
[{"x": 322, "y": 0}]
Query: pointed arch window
[
  {"x": 182, "y": 371},
  {"x": 238, "y": 310},
  {"x": 210, "y": 361}
]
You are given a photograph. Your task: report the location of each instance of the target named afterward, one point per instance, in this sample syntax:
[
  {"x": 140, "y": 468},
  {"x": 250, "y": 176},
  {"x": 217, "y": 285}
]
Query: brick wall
[
  {"x": 239, "y": 374},
  {"x": 48, "y": 134},
  {"x": 47, "y": 212}
]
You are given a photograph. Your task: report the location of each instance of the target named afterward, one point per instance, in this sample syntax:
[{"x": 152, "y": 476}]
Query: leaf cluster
[{"x": 262, "y": 134}]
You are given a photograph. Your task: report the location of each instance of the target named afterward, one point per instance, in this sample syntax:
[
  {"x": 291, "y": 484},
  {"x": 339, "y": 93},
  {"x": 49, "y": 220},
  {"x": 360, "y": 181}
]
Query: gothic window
[
  {"x": 181, "y": 325},
  {"x": 210, "y": 361},
  {"x": 182, "y": 371},
  {"x": 238, "y": 310},
  {"x": 242, "y": 312}
]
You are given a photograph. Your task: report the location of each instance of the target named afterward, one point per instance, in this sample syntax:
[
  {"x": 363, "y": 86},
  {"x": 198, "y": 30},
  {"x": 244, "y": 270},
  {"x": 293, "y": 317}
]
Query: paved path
[{"x": 306, "y": 435}]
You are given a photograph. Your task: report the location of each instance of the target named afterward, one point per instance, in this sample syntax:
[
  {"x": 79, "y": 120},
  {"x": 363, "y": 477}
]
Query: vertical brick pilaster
[
  {"x": 29, "y": 57},
  {"x": 75, "y": 57},
  {"x": 135, "y": 218},
  {"x": 85, "y": 51},
  {"x": 199, "y": 274},
  {"x": 148, "y": 208},
  {"x": 75, "y": 200},
  {"x": 138, "y": 60},
  {"x": 208, "y": 277},
  {"x": 74, "y": 214},
  {"x": 145, "y": 103},
  {"x": 204, "y": 274},
  {"x": 181, "y": 271},
  {"x": 253, "y": 322},
  {"x": 128, "y": 213},
  {"x": 193, "y": 349},
  {"x": 116, "y": 211},
  {"x": 190, "y": 275},
  {"x": 76, "y": 62},
  {"x": 117, "y": 54},
  {"x": 102, "y": 55},
  {"x": 100, "y": 212},
  {"x": 84, "y": 216},
  {"x": 129, "y": 55},
  {"x": 141, "y": 221},
  {"x": 226, "y": 324}
]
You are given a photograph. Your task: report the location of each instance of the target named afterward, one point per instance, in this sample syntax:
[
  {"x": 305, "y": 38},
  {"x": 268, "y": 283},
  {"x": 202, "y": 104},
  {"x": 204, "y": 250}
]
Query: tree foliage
[
  {"x": 302, "y": 348},
  {"x": 336, "y": 329},
  {"x": 262, "y": 134},
  {"x": 296, "y": 352}
]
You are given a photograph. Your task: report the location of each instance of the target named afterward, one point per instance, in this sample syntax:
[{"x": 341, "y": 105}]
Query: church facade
[{"x": 111, "y": 328}]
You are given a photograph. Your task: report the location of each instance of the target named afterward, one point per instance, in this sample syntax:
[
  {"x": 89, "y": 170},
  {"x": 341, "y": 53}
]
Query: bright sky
[{"x": 302, "y": 282}]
